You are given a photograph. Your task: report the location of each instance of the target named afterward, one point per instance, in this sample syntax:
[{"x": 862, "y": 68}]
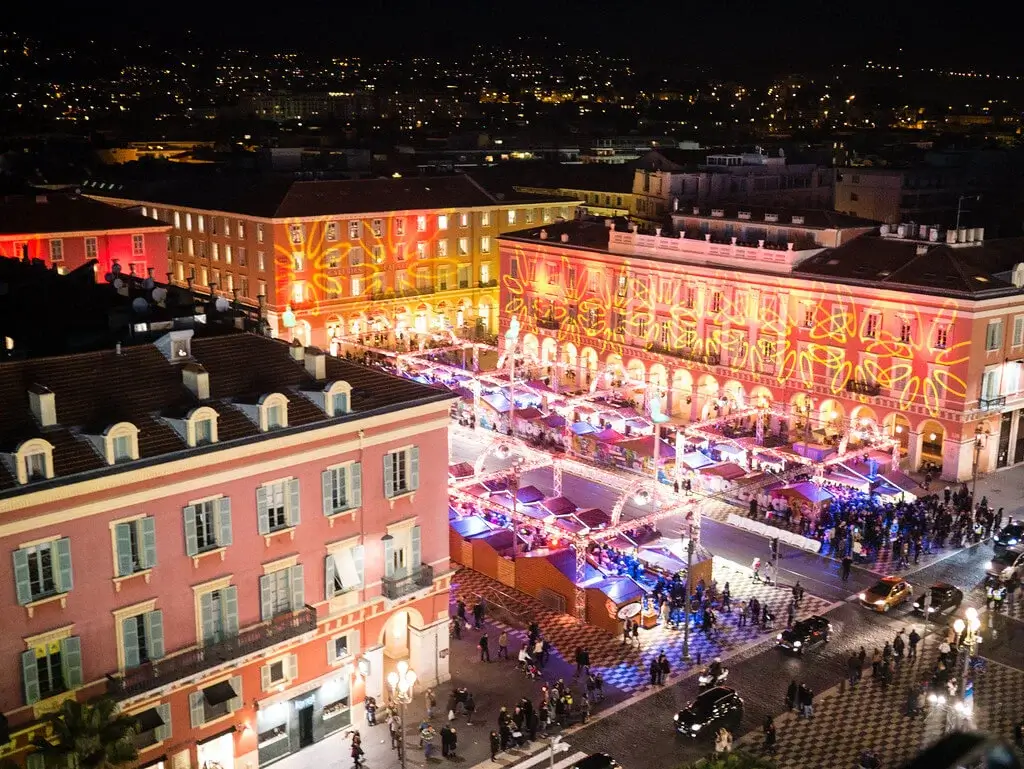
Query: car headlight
[
  {"x": 917, "y": 605},
  {"x": 676, "y": 718},
  {"x": 931, "y": 609},
  {"x": 695, "y": 728},
  {"x": 778, "y": 637},
  {"x": 989, "y": 565},
  {"x": 1011, "y": 542},
  {"x": 863, "y": 596},
  {"x": 797, "y": 644}
]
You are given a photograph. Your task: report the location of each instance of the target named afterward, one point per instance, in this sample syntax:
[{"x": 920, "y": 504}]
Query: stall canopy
[
  {"x": 727, "y": 470},
  {"x": 470, "y": 526},
  {"x": 583, "y": 428},
  {"x": 644, "y": 447},
  {"x": 811, "y": 492},
  {"x": 460, "y": 470},
  {"x": 620, "y": 590},
  {"x": 695, "y": 460},
  {"x": 595, "y": 518},
  {"x": 558, "y": 505},
  {"x": 554, "y": 421}
]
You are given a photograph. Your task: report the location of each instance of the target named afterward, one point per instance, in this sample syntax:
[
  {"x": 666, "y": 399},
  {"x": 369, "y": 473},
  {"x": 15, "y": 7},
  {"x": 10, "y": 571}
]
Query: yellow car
[{"x": 886, "y": 593}]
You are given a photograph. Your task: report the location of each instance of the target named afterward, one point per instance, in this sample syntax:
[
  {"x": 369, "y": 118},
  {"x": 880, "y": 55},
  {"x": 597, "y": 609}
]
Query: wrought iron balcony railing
[
  {"x": 548, "y": 323},
  {"x": 996, "y": 402},
  {"x": 707, "y": 358},
  {"x": 863, "y": 388},
  {"x": 396, "y": 587},
  {"x": 156, "y": 673}
]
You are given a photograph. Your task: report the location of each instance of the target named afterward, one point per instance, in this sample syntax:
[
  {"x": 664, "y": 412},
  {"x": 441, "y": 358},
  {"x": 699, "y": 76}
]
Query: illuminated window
[
  {"x": 90, "y": 248},
  {"x": 229, "y": 282},
  {"x": 399, "y": 252},
  {"x": 442, "y": 221},
  {"x": 463, "y": 246},
  {"x": 593, "y": 276},
  {"x": 204, "y": 278},
  {"x": 378, "y": 227},
  {"x": 942, "y": 335},
  {"x": 442, "y": 278},
  {"x": 216, "y": 277},
  {"x": 906, "y": 331},
  {"x": 241, "y": 230},
  {"x": 619, "y": 323},
  {"x": 331, "y": 232},
  {"x": 355, "y": 256},
  {"x": 808, "y": 314},
  {"x": 188, "y": 222},
  {"x": 261, "y": 288},
  {"x": 421, "y": 250},
  {"x": 687, "y": 337},
  {"x": 177, "y": 220},
  {"x": 1018, "y": 331},
  {"x": 546, "y": 215},
  {"x": 242, "y": 261},
  {"x": 485, "y": 218},
  {"x": 622, "y": 286},
  {"x": 216, "y": 251},
  {"x": 666, "y": 334},
  {"x": 332, "y": 259},
  {"x": 463, "y": 220},
  {"x": 485, "y": 273},
  {"x": 299, "y": 292},
  {"x": 227, "y": 254},
  {"x": 554, "y": 274},
  {"x": 994, "y": 335},
  {"x": 511, "y": 216},
  {"x": 261, "y": 261},
  {"x": 298, "y": 261},
  {"x": 259, "y": 233},
  {"x": 57, "y": 250},
  {"x": 179, "y": 271},
  {"x": 357, "y": 286},
  {"x": 201, "y": 222},
  {"x": 485, "y": 244},
  {"x": 442, "y": 248},
  {"x": 871, "y": 325},
  {"x": 354, "y": 229},
  {"x": 421, "y": 223},
  {"x": 690, "y": 297},
  {"x": 529, "y": 215},
  {"x": 717, "y": 300},
  {"x": 400, "y": 225},
  {"x": 295, "y": 234},
  {"x": 243, "y": 286},
  {"x": 641, "y": 327},
  {"x": 377, "y": 252},
  {"x": 138, "y": 245}
]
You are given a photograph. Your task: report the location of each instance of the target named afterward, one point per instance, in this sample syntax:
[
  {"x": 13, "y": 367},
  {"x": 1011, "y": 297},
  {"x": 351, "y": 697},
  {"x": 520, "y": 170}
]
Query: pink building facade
[
  {"x": 922, "y": 338},
  {"x": 241, "y": 570}
]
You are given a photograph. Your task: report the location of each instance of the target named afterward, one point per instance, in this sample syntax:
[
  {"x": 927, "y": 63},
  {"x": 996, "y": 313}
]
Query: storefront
[
  {"x": 297, "y": 720},
  {"x": 217, "y": 752}
]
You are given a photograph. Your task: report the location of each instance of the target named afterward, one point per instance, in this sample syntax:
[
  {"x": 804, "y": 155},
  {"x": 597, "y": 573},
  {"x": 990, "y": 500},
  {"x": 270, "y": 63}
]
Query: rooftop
[
  {"x": 93, "y": 391},
  {"x": 596, "y": 177},
  {"x": 61, "y": 212},
  {"x": 808, "y": 219}
]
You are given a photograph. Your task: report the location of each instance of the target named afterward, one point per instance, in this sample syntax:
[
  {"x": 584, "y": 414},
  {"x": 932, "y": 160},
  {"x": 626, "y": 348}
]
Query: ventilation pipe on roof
[
  {"x": 44, "y": 404},
  {"x": 961, "y": 235},
  {"x": 950, "y": 237},
  {"x": 316, "y": 363},
  {"x": 979, "y": 233},
  {"x": 297, "y": 351},
  {"x": 196, "y": 379}
]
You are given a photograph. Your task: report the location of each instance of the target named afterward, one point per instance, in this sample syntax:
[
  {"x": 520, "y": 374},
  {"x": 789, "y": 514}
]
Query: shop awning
[
  {"x": 219, "y": 693},
  {"x": 149, "y": 720}
]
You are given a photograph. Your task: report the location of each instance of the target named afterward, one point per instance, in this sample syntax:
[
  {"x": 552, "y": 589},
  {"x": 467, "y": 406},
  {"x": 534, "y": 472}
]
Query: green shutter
[
  {"x": 155, "y": 634},
  {"x": 65, "y": 575},
  {"x": 353, "y": 641},
  {"x": 35, "y": 760},
  {"x": 266, "y": 597},
  {"x": 389, "y": 481},
  {"x": 327, "y": 487},
  {"x": 329, "y": 573},
  {"x": 416, "y": 549},
  {"x": 294, "y": 510},
  {"x": 206, "y": 618},
  {"x": 123, "y": 537},
  {"x": 130, "y": 634},
  {"x": 30, "y": 677},
  {"x": 355, "y": 484},
  {"x": 229, "y": 602},
  {"x": 196, "y": 710},
  {"x": 414, "y": 468},
  {"x": 191, "y": 540},
  {"x": 262, "y": 521},
  {"x": 357, "y": 557},
  {"x": 298, "y": 587},
  {"x": 235, "y": 703},
  {"x": 389, "y": 557},
  {"x": 224, "y": 537},
  {"x": 22, "y": 580},
  {"x": 164, "y": 732},
  {"x": 71, "y": 661},
  {"x": 148, "y": 529}
]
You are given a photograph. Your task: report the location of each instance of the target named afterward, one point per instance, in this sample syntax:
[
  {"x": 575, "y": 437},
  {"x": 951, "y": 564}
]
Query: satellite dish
[
  {"x": 222, "y": 304},
  {"x": 159, "y": 294},
  {"x": 140, "y": 305},
  {"x": 118, "y": 283},
  {"x": 148, "y": 283}
]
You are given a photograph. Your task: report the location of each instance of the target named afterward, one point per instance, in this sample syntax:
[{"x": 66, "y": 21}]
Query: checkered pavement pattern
[
  {"x": 626, "y": 667},
  {"x": 846, "y": 721}
]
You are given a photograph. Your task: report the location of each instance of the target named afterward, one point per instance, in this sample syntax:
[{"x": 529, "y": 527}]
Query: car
[
  {"x": 1007, "y": 565},
  {"x": 943, "y": 596},
  {"x": 1011, "y": 535},
  {"x": 886, "y": 593},
  {"x": 720, "y": 706},
  {"x": 805, "y": 634},
  {"x": 597, "y": 761}
]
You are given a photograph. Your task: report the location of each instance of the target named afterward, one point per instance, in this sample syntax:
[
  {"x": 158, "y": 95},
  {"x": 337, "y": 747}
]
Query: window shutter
[
  {"x": 416, "y": 549},
  {"x": 191, "y": 541},
  {"x": 65, "y": 581},
  {"x": 291, "y": 667},
  {"x": 353, "y": 642},
  {"x": 355, "y": 484},
  {"x": 148, "y": 527},
  {"x": 235, "y": 702},
  {"x": 414, "y": 468},
  {"x": 298, "y": 587},
  {"x": 30, "y": 677},
  {"x": 35, "y": 760},
  {"x": 229, "y": 596},
  {"x": 389, "y": 481},
  {"x": 262, "y": 521},
  {"x": 123, "y": 538},
  {"x": 206, "y": 618},
  {"x": 22, "y": 580},
  {"x": 155, "y": 634},
  {"x": 130, "y": 636},
  {"x": 332, "y": 651},
  {"x": 266, "y": 597},
  {"x": 71, "y": 661},
  {"x": 329, "y": 573},
  {"x": 164, "y": 732},
  {"x": 294, "y": 510},
  {"x": 224, "y": 521},
  {"x": 389, "y": 559},
  {"x": 357, "y": 557},
  {"x": 327, "y": 485},
  {"x": 196, "y": 709},
  {"x": 265, "y": 680}
]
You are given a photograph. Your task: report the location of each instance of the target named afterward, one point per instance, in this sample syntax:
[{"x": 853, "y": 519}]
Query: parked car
[
  {"x": 714, "y": 708},
  {"x": 886, "y": 593},
  {"x": 944, "y": 597},
  {"x": 805, "y": 634},
  {"x": 597, "y": 761},
  {"x": 1007, "y": 565},
  {"x": 1011, "y": 535}
]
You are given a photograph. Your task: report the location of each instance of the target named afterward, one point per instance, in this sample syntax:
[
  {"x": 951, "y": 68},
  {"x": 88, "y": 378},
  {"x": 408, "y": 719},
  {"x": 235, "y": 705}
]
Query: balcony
[
  {"x": 152, "y": 675},
  {"x": 549, "y": 323},
  {"x": 861, "y": 387},
  {"x": 397, "y": 587},
  {"x": 492, "y": 283},
  {"x": 995, "y": 402},
  {"x": 686, "y": 353}
]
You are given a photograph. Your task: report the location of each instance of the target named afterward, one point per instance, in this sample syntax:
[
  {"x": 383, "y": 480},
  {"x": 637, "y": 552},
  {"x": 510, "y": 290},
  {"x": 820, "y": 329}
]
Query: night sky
[{"x": 721, "y": 33}]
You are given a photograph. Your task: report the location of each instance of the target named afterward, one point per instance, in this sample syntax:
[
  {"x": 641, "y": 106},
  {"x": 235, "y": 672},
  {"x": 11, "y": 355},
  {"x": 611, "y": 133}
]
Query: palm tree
[
  {"x": 739, "y": 759},
  {"x": 90, "y": 735}
]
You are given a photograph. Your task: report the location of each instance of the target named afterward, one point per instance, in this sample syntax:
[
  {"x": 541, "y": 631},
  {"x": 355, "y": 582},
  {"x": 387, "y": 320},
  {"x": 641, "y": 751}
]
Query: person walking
[
  {"x": 495, "y": 746},
  {"x": 741, "y": 614},
  {"x": 503, "y": 645},
  {"x": 470, "y": 706},
  {"x": 430, "y": 700},
  {"x": 357, "y": 750},
  {"x": 845, "y": 569},
  {"x": 791, "y": 694},
  {"x": 627, "y": 631},
  {"x": 769, "y": 734},
  {"x": 485, "y": 652},
  {"x": 726, "y": 599},
  {"x": 913, "y": 640},
  {"x": 478, "y": 614}
]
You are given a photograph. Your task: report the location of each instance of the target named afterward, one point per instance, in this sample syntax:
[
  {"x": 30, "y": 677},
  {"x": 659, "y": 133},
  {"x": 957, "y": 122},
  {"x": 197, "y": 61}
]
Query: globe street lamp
[
  {"x": 401, "y": 683},
  {"x": 970, "y": 627}
]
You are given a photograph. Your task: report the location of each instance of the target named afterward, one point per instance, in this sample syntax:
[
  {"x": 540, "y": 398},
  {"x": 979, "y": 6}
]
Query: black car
[
  {"x": 1007, "y": 565},
  {"x": 804, "y": 634},
  {"x": 597, "y": 761},
  {"x": 712, "y": 709},
  {"x": 943, "y": 597},
  {"x": 1012, "y": 534}
]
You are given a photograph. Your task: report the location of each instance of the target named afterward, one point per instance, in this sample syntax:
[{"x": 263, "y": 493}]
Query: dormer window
[
  {"x": 201, "y": 426},
  {"x": 121, "y": 443},
  {"x": 273, "y": 412},
  {"x": 34, "y": 461},
  {"x": 338, "y": 399},
  {"x": 204, "y": 432}
]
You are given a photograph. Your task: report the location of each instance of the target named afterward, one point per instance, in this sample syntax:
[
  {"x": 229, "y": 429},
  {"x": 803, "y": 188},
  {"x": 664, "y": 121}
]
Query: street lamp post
[
  {"x": 691, "y": 547},
  {"x": 979, "y": 435},
  {"x": 971, "y": 626},
  {"x": 401, "y": 683}
]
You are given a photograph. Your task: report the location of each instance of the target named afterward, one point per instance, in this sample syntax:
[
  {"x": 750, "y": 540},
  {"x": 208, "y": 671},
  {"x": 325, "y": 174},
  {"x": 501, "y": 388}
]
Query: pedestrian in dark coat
[
  {"x": 495, "y": 746},
  {"x": 791, "y": 693},
  {"x": 485, "y": 652},
  {"x": 845, "y": 570}
]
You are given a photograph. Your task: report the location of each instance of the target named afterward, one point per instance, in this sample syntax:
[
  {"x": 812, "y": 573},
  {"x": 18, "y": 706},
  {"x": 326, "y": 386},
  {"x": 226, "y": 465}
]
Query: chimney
[
  {"x": 298, "y": 352},
  {"x": 979, "y": 233},
  {"x": 543, "y": 234},
  {"x": 197, "y": 380},
  {"x": 44, "y": 405},
  {"x": 316, "y": 363},
  {"x": 950, "y": 237},
  {"x": 565, "y": 237},
  {"x": 961, "y": 235}
]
